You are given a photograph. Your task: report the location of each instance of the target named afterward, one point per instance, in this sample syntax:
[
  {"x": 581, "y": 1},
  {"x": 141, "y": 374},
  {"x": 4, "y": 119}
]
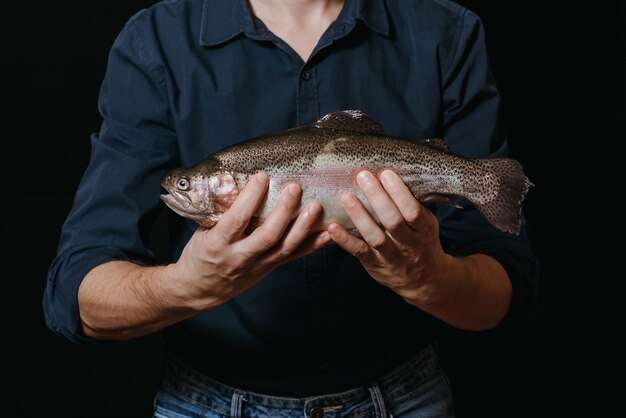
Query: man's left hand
[{"x": 404, "y": 253}]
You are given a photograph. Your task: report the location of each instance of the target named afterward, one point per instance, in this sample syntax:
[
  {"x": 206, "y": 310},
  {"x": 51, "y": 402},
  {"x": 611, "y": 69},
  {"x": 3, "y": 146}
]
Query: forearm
[
  {"x": 120, "y": 300},
  {"x": 472, "y": 293}
]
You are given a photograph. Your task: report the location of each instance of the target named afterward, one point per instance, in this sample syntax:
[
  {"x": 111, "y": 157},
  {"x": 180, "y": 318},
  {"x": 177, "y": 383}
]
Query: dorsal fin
[
  {"x": 438, "y": 144},
  {"x": 349, "y": 120}
]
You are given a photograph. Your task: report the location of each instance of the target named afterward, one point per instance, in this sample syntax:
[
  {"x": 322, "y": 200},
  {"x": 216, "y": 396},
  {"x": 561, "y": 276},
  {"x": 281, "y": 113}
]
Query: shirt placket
[{"x": 308, "y": 100}]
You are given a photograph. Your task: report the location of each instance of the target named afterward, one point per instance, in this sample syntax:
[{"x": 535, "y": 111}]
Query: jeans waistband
[{"x": 202, "y": 390}]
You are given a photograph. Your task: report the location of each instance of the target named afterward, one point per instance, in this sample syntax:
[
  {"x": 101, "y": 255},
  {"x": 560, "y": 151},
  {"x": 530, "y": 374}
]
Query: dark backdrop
[{"x": 53, "y": 59}]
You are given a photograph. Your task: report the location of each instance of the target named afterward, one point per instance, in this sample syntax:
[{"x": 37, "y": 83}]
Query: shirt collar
[{"x": 222, "y": 20}]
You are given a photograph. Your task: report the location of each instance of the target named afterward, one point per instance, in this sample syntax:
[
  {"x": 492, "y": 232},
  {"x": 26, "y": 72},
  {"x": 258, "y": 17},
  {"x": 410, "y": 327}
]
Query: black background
[{"x": 53, "y": 60}]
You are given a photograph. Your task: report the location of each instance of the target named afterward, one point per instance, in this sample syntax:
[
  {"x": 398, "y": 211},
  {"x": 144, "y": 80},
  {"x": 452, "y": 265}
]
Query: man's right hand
[
  {"x": 219, "y": 263},
  {"x": 119, "y": 300}
]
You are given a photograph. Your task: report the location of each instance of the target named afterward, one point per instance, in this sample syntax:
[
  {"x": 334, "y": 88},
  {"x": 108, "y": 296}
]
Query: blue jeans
[{"x": 419, "y": 388}]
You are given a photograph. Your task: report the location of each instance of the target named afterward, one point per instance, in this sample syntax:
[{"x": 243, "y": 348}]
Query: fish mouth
[{"x": 182, "y": 206}]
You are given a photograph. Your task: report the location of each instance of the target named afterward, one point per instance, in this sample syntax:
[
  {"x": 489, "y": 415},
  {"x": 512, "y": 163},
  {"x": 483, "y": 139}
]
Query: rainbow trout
[{"x": 325, "y": 157}]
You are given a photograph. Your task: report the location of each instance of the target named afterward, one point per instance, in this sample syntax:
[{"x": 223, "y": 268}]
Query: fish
[{"x": 324, "y": 158}]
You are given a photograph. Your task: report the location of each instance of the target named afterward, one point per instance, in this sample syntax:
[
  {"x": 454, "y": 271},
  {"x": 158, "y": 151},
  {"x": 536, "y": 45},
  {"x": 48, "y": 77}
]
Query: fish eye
[{"x": 183, "y": 184}]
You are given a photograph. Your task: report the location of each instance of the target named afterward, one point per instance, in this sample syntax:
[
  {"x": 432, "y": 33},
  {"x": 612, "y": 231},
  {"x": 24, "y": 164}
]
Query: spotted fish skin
[{"x": 325, "y": 157}]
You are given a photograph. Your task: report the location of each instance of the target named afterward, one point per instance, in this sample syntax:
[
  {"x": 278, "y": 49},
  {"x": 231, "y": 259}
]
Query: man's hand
[
  {"x": 120, "y": 300},
  {"x": 405, "y": 255},
  {"x": 219, "y": 263}
]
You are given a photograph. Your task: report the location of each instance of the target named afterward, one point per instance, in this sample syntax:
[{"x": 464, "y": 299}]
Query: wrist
[
  {"x": 431, "y": 284},
  {"x": 189, "y": 293},
  {"x": 176, "y": 292}
]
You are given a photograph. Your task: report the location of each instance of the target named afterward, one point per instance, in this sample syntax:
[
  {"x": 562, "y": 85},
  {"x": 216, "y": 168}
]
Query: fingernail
[
  {"x": 313, "y": 210},
  {"x": 293, "y": 189},
  {"x": 324, "y": 237},
  {"x": 348, "y": 201},
  {"x": 261, "y": 178},
  {"x": 333, "y": 229},
  {"x": 364, "y": 177},
  {"x": 387, "y": 176}
]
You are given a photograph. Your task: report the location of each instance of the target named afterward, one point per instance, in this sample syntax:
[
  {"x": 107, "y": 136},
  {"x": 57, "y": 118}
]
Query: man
[{"x": 278, "y": 322}]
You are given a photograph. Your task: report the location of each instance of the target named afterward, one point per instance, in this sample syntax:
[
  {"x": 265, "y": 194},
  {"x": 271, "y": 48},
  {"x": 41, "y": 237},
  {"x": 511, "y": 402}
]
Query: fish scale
[{"x": 325, "y": 157}]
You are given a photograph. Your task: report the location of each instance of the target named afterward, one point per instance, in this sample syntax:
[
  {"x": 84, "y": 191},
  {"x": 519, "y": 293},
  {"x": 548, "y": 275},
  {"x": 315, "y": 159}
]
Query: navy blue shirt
[{"x": 186, "y": 78}]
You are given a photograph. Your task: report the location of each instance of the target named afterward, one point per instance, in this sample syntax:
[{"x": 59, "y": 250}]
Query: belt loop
[
  {"x": 235, "y": 406},
  {"x": 379, "y": 401}
]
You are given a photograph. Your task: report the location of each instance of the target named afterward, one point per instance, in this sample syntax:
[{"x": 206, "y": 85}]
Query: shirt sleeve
[
  {"x": 470, "y": 127},
  {"x": 118, "y": 196}
]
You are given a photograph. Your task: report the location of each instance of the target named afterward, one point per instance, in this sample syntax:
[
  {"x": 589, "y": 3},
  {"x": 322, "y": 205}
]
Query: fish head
[{"x": 199, "y": 195}]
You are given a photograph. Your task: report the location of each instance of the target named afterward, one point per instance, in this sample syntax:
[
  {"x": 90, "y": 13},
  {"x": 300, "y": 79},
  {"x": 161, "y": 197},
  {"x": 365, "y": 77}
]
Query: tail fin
[{"x": 505, "y": 209}]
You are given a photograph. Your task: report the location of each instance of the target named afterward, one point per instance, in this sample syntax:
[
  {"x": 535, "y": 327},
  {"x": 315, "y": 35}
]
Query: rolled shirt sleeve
[
  {"x": 470, "y": 127},
  {"x": 119, "y": 193}
]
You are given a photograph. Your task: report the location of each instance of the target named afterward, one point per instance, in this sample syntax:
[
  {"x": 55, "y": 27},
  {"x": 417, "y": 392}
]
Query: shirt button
[
  {"x": 316, "y": 412},
  {"x": 306, "y": 76}
]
